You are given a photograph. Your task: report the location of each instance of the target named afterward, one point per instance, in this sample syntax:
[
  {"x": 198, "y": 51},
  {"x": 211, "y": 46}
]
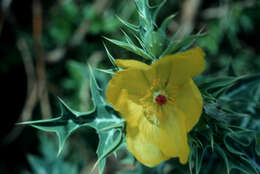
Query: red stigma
[{"x": 160, "y": 99}]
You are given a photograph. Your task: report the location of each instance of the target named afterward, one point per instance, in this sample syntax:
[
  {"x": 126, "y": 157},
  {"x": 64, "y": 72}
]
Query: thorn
[
  {"x": 92, "y": 77},
  {"x": 111, "y": 58},
  {"x": 94, "y": 167}
]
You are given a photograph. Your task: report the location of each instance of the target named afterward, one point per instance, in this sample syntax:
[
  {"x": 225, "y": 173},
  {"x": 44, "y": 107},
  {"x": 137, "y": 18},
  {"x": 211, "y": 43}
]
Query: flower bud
[{"x": 155, "y": 42}]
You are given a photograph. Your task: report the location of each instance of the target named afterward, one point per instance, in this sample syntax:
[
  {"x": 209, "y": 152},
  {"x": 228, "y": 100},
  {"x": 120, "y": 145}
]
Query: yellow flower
[{"x": 160, "y": 104}]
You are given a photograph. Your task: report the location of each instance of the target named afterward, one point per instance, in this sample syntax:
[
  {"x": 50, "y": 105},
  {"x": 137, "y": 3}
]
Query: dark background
[{"x": 40, "y": 39}]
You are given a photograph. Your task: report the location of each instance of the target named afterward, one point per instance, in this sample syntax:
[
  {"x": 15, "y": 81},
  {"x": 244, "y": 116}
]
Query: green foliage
[
  {"x": 61, "y": 26},
  {"x": 68, "y": 121},
  {"x": 182, "y": 45},
  {"x": 131, "y": 47},
  {"x": 229, "y": 38},
  {"x": 102, "y": 118},
  {"x": 148, "y": 14},
  {"x": 257, "y": 145},
  {"x": 152, "y": 39},
  {"x": 213, "y": 39},
  {"x": 49, "y": 163},
  {"x": 227, "y": 138},
  {"x": 98, "y": 25},
  {"x": 228, "y": 109}
]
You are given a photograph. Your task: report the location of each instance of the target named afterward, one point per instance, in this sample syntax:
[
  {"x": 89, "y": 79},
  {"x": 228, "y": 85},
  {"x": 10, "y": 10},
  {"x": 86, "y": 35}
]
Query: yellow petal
[
  {"x": 189, "y": 100},
  {"x": 142, "y": 143},
  {"x": 191, "y": 61},
  {"x": 181, "y": 66},
  {"x": 173, "y": 135},
  {"x": 159, "y": 72},
  {"x": 129, "y": 89},
  {"x": 132, "y": 81},
  {"x": 128, "y": 63},
  {"x": 129, "y": 110}
]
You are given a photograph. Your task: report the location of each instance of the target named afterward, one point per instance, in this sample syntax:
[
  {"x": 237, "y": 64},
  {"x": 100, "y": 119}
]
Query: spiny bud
[{"x": 155, "y": 42}]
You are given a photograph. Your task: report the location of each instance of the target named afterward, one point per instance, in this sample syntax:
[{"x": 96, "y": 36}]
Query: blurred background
[{"x": 44, "y": 43}]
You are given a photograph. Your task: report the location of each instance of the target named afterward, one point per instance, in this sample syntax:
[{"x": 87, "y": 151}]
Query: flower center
[{"x": 160, "y": 99}]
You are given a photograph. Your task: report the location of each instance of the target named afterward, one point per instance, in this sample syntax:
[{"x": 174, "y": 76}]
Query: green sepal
[
  {"x": 140, "y": 41},
  {"x": 134, "y": 28},
  {"x": 175, "y": 45},
  {"x": 157, "y": 8},
  {"x": 166, "y": 21},
  {"x": 111, "y": 58},
  {"x": 107, "y": 71},
  {"x": 131, "y": 47}
]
